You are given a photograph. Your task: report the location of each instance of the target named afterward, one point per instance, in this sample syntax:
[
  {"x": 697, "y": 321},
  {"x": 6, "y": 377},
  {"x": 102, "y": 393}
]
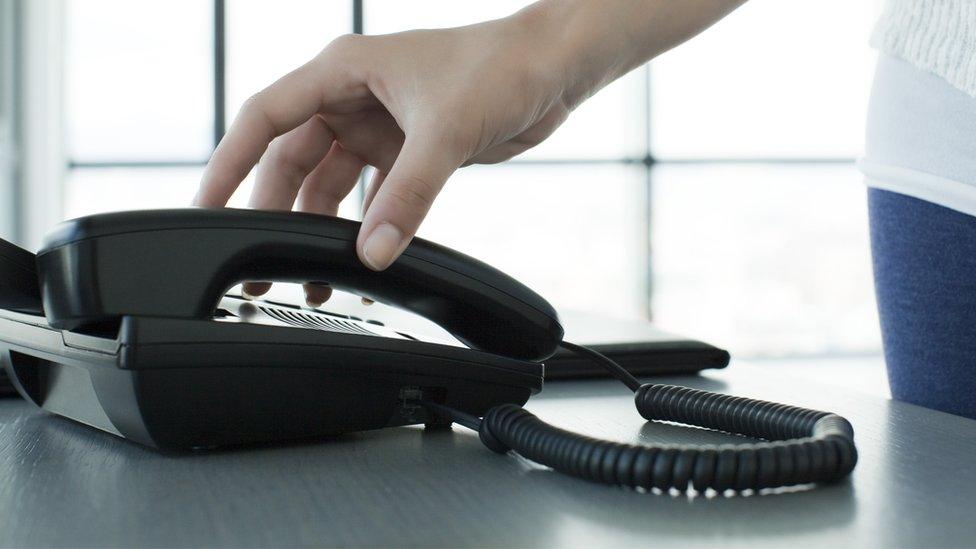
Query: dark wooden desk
[{"x": 63, "y": 484}]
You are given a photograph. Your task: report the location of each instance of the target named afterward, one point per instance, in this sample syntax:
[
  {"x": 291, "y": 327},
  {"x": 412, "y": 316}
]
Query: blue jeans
[{"x": 925, "y": 279}]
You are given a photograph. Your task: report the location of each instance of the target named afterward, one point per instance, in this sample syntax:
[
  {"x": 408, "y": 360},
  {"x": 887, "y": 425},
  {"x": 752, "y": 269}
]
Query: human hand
[{"x": 416, "y": 106}]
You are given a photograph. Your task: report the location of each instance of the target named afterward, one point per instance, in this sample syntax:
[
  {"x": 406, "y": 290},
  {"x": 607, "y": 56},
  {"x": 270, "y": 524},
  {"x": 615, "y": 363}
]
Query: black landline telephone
[{"x": 121, "y": 322}]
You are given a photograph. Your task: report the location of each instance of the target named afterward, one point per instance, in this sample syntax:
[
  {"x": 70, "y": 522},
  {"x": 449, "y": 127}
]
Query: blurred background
[{"x": 712, "y": 191}]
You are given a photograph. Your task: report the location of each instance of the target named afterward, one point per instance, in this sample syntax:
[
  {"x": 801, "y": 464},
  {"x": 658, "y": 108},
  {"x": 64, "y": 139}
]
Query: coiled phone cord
[{"x": 800, "y": 446}]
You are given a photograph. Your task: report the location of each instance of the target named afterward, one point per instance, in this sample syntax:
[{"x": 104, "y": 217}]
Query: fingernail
[
  {"x": 247, "y": 296},
  {"x": 367, "y": 301},
  {"x": 381, "y": 245}
]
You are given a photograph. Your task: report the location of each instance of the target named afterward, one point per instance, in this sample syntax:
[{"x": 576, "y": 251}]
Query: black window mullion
[
  {"x": 357, "y": 17},
  {"x": 219, "y": 71}
]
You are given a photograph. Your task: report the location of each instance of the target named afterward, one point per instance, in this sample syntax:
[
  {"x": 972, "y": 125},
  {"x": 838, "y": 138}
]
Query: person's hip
[{"x": 920, "y": 137}]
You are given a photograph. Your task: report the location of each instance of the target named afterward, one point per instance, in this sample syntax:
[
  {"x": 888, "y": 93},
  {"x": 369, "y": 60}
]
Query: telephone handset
[
  {"x": 152, "y": 349},
  {"x": 178, "y": 264}
]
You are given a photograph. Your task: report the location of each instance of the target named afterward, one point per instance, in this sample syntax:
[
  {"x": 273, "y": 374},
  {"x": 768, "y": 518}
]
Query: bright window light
[{"x": 138, "y": 80}]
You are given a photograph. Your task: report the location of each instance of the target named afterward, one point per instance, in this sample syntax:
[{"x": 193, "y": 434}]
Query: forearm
[{"x": 597, "y": 41}]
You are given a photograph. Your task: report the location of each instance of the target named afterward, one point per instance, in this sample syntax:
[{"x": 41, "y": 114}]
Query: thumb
[{"x": 404, "y": 198}]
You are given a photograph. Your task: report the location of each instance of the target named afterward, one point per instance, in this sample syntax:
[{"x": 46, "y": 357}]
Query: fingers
[
  {"x": 289, "y": 160},
  {"x": 330, "y": 182},
  {"x": 374, "y": 185},
  {"x": 317, "y": 293},
  {"x": 285, "y": 165},
  {"x": 335, "y": 77},
  {"x": 404, "y": 198},
  {"x": 372, "y": 135},
  {"x": 251, "y": 290},
  {"x": 321, "y": 192}
]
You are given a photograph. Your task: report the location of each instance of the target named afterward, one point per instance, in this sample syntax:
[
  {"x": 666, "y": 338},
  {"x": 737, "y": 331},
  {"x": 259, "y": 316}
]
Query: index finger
[{"x": 277, "y": 109}]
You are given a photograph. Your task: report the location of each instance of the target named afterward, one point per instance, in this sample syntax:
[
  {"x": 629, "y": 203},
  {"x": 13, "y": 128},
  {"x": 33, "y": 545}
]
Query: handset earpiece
[{"x": 178, "y": 263}]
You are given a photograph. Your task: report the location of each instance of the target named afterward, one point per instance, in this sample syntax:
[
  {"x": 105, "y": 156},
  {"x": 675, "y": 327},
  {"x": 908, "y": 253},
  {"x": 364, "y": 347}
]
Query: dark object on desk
[
  {"x": 637, "y": 345},
  {"x": 138, "y": 339},
  {"x": 640, "y": 347},
  {"x": 6, "y": 386},
  {"x": 18, "y": 280}
]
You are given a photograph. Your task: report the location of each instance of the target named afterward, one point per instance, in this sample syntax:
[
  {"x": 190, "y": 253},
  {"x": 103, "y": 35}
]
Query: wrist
[
  {"x": 576, "y": 45},
  {"x": 590, "y": 43}
]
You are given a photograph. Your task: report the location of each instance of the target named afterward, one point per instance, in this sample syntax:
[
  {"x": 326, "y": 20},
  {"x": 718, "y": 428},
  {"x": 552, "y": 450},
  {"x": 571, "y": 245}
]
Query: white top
[
  {"x": 921, "y": 127},
  {"x": 938, "y": 36}
]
